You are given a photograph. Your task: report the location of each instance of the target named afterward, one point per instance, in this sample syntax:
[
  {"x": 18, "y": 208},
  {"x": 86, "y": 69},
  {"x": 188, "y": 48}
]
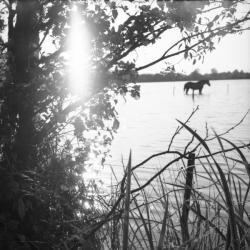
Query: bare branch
[
  {"x": 180, "y": 128},
  {"x": 212, "y": 33}
]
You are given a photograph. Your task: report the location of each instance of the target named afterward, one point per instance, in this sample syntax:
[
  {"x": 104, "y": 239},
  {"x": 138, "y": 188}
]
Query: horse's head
[{"x": 207, "y": 82}]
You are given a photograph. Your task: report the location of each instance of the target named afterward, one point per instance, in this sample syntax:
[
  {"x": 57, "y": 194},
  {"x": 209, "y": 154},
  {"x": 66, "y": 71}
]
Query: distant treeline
[{"x": 195, "y": 75}]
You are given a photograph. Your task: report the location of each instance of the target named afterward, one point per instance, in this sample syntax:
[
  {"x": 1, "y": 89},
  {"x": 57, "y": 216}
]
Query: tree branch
[{"x": 213, "y": 33}]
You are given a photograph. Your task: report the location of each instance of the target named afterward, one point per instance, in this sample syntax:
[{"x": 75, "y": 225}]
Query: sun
[{"x": 79, "y": 66}]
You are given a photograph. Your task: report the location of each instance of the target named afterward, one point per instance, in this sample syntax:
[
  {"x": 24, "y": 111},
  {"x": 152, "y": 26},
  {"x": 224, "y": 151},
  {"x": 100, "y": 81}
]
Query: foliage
[{"x": 46, "y": 135}]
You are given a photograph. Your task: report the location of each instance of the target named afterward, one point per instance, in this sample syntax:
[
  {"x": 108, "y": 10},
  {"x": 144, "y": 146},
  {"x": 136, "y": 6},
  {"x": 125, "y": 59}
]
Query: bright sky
[{"x": 233, "y": 52}]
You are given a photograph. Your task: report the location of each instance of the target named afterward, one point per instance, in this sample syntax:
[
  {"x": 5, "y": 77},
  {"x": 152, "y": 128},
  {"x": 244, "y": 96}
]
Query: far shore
[{"x": 194, "y": 76}]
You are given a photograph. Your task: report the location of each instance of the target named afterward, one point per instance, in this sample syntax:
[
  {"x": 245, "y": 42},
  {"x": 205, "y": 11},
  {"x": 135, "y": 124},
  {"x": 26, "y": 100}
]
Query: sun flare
[{"x": 78, "y": 55}]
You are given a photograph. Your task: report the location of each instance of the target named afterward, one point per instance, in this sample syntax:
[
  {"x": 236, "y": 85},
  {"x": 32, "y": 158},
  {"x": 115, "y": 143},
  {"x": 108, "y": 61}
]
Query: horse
[{"x": 196, "y": 86}]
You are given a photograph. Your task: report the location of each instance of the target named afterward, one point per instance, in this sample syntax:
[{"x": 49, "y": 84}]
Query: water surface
[{"x": 148, "y": 124}]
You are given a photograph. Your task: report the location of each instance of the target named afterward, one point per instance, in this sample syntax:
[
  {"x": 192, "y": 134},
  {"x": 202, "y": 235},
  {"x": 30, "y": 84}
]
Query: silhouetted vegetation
[
  {"x": 195, "y": 75},
  {"x": 47, "y": 136},
  {"x": 196, "y": 200}
]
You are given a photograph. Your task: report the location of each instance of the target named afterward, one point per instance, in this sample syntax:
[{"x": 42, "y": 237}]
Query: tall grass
[{"x": 199, "y": 199}]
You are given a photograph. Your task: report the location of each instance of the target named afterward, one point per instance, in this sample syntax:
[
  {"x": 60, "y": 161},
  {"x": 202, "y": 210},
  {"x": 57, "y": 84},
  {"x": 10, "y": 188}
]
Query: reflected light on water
[{"x": 78, "y": 55}]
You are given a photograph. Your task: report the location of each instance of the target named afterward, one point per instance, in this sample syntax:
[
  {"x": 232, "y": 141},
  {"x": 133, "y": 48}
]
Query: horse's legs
[{"x": 200, "y": 91}]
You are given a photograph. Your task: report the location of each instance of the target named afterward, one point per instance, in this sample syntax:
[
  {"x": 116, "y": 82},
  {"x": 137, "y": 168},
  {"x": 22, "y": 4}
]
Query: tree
[
  {"x": 42, "y": 189},
  {"x": 195, "y": 74},
  {"x": 214, "y": 71}
]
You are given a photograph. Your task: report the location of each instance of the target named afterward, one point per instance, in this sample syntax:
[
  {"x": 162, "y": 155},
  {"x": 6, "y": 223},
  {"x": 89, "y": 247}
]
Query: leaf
[
  {"x": 116, "y": 124},
  {"x": 113, "y": 5},
  {"x": 210, "y": 25},
  {"x": 97, "y": 7},
  {"x": 114, "y": 13},
  {"x": 180, "y": 45},
  {"x": 216, "y": 18},
  {"x": 232, "y": 10}
]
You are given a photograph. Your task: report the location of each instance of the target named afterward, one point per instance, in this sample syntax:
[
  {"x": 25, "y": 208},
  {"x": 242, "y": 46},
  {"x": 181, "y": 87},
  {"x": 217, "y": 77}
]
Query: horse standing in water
[{"x": 196, "y": 86}]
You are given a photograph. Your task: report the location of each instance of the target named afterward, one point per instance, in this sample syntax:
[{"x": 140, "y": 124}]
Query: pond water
[{"x": 148, "y": 124}]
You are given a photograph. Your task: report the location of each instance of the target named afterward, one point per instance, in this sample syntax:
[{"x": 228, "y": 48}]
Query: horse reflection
[{"x": 196, "y": 86}]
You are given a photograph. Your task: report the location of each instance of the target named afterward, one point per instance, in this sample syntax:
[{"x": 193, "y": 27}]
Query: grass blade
[{"x": 234, "y": 236}]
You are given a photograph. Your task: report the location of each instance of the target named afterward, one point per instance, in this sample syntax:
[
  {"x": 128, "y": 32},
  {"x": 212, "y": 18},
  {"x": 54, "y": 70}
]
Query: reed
[{"x": 198, "y": 199}]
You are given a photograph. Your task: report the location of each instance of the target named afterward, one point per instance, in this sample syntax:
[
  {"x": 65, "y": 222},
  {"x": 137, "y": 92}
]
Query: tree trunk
[{"x": 25, "y": 40}]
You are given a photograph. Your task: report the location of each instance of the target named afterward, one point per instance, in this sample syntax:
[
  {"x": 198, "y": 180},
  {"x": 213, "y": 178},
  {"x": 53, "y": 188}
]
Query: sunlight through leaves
[{"x": 79, "y": 55}]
